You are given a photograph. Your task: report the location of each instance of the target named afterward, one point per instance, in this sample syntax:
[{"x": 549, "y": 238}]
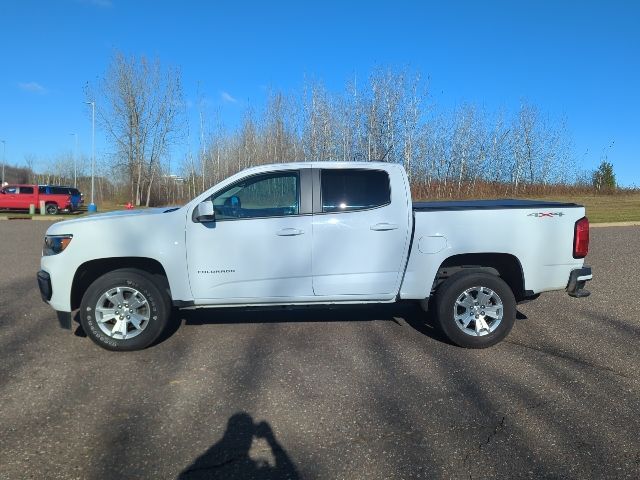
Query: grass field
[
  {"x": 607, "y": 208},
  {"x": 106, "y": 207},
  {"x": 600, "y": 208}
]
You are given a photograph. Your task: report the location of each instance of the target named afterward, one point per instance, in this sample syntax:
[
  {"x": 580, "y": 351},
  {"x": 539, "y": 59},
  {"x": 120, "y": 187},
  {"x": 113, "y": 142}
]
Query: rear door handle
[
  {"x": 289, "y": 232},
  {"x": 382, "y": 227}
]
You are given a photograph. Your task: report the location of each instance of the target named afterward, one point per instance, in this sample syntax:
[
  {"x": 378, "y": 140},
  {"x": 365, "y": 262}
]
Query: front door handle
[
  {"x": 383, "y": 227},
  {"x": 289, "y": 232}
]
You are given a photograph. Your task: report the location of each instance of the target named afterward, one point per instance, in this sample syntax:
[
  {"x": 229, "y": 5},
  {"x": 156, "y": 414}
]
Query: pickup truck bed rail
[{"x": 508, "y": 203}]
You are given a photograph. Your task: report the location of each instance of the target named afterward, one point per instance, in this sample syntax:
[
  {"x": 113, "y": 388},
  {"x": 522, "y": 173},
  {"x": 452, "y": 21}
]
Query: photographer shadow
[{"x": 230, "y": 457}]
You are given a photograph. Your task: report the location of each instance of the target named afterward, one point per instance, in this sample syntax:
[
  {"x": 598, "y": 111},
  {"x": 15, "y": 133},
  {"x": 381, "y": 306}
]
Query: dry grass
[
  {"x": 606, "y": 208},
  {"x": 621, "y": 206}
]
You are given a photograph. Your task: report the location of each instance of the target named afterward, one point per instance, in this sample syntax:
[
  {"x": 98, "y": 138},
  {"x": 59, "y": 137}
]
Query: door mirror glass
[
  {"x": 204, "y": 212},
  {"x": 233, "y": 202}
]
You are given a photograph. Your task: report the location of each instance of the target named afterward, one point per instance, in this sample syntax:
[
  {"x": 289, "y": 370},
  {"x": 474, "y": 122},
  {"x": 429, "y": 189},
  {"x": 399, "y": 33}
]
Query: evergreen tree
[{"x": 603, "y": 178}]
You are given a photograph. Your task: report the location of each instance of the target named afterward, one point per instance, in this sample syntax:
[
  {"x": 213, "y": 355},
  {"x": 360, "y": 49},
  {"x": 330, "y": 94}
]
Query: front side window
[
  {"x": 267, "y": 195},
  {"x": 346, "y": 190}
]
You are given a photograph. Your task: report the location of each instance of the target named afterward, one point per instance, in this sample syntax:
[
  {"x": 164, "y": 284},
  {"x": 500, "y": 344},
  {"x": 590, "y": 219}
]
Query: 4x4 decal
[{"x": 546, "y": 214}]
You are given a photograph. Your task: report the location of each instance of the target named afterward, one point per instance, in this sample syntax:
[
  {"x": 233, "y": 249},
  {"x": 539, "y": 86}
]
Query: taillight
[{"x": 581, "y": 238}]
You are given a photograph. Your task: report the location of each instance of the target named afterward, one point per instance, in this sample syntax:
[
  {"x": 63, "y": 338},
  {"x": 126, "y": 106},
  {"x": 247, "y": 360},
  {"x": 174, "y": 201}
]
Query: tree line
[
  {"x": 389, "y": 116},
  {"x": 460, "y": 152}
]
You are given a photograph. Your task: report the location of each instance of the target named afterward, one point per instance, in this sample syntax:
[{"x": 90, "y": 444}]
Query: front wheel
[
  {"x": 124, "y": 310},
  {"x": 475, "y": 309}
]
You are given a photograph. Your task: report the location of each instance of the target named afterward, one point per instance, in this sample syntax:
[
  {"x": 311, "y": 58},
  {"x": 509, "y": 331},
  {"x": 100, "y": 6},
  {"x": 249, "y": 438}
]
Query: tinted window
[
  {"x": 269, "y": 195},
  {"x": 26, "y": 190},
  {"x": 345, "y": 190}
]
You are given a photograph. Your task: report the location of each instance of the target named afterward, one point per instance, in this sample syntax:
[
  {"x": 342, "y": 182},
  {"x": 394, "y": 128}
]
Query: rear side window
[
  {"x": 350, "y": 189},
  {"x": 26, "y": 190},
  {"x": 55, "y": 190}
]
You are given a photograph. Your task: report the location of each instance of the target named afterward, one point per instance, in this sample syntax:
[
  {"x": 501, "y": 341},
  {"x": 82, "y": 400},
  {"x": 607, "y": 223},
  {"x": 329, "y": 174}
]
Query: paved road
[{"x": 356, "y": 393}]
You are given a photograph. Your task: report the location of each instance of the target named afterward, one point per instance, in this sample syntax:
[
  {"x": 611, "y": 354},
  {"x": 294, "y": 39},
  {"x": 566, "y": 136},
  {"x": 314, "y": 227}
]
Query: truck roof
[{"x": 324, "y": 164}]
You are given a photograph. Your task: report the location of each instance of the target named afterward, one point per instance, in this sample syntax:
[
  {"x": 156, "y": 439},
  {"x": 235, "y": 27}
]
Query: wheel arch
[
  {"x": 505, "y": 265},
  {"x": 91, "y": 270}
]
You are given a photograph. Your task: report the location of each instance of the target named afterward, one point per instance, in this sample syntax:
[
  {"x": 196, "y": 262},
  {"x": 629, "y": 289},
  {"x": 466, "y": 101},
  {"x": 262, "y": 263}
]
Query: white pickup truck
[{"x": 313, "y": 233}]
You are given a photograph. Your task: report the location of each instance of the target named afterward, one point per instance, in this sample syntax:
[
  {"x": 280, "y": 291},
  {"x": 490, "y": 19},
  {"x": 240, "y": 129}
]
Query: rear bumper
[{"x": 577, "y": 280}]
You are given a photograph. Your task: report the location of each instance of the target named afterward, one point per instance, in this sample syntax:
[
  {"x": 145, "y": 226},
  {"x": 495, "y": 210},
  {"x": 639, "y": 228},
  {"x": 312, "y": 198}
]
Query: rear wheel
[
  {"x": 125, "y": 310},
  {"x": 51, "y": 209},
  {"x": 475, "y": 309}
]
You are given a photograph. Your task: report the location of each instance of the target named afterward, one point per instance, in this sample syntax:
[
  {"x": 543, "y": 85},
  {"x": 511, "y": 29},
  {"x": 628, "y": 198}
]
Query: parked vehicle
[
  {"x": 21, "y": 197},
  {"x": 77, "y": 198},
  {"x": 313, "y": 233}
]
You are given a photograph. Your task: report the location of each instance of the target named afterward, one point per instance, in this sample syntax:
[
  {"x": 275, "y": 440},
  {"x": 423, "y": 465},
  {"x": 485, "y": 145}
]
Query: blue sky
[{"x": 580, "y": 59}]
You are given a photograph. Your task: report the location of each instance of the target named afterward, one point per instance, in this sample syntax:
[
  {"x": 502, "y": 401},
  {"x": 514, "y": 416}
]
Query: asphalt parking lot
[{"x": 346, "y": 393}]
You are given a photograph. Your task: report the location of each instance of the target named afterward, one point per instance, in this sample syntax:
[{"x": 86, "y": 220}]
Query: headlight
[{"x": 55, "y": 244}]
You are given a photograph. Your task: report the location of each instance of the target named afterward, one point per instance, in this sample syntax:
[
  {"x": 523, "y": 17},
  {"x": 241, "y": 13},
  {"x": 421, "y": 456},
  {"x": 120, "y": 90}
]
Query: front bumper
[
  {"x": 577, "y": 280},
  {"x": 44, "y": 284}
]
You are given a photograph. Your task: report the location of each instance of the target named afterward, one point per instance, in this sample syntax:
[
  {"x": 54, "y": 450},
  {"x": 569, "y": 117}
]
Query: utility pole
[
  {"x": 4, "y": 147},
  {"x": 75, "y": 162},
  {"x": 92, "y": 206}
]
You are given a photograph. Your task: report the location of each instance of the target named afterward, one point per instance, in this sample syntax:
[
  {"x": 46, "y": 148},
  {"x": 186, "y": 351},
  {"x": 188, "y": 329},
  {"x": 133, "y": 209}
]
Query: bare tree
[
  {"x": 140, "y": 111},
  {"x": 458, "y": 152}
]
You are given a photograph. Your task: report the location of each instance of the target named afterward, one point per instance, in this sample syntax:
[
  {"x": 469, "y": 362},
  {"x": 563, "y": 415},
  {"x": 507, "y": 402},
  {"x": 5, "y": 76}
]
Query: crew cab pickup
[
  {"x": 21, "y": 197},
  {"x": 313, "y": 233}
]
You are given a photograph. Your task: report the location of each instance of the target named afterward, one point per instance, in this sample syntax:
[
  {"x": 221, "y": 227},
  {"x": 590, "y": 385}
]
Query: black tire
[
  {"x": 51, "y": 209},
  {"x": 453, "y": 289},
  {"x": 158, "y": 309}
]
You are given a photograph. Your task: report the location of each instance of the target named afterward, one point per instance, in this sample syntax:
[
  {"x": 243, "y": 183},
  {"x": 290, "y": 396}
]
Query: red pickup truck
[{"x": 19, "y": 197}]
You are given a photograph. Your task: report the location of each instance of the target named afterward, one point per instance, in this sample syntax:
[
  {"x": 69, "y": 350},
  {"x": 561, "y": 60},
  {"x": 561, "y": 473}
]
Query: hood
[{"x": 59, "y": 227}]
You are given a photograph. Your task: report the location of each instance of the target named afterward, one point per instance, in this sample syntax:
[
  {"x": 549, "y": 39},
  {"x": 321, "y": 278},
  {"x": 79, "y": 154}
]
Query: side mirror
[{"x": 204, "y": 212}]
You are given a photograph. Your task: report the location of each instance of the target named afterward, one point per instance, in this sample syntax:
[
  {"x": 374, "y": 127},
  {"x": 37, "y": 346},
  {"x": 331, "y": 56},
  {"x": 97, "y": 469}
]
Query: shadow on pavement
[
  {"x": 409, "y": 312},
  {"x": 230, "y": 458},
  {"x": 423, "y": 322}
]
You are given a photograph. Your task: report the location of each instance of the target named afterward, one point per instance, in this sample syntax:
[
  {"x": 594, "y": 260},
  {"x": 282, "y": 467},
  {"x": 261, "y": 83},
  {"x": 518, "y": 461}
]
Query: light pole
[
  {"x": 75, "y": 162},
  {"x": 4, "y": 147},
  {"x": 92, "y": 206}
]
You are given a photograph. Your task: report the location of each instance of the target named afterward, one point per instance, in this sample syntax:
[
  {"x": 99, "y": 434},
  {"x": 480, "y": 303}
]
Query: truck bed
[{"x": 500, "y": 204}]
